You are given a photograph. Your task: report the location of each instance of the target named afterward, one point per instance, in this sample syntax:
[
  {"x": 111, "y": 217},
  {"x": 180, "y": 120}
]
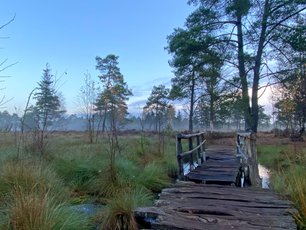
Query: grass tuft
[
  {"x": 33, "y": 197},
  {"x": 153, "y": 177},
  {"x": 119, "y": 212},
  {"x": 28, "y": 175}
]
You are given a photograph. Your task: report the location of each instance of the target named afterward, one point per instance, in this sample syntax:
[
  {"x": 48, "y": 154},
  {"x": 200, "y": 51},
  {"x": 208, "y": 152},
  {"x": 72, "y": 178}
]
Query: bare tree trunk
[
  {"x": 90, "y": 130},
  {"x": 99, "y": 126},
  {"x": 42, "y": 132},
  {"x": 192, "y": 88},
  {"x": 243, "y": 76},
  {"x": 22, "y": 121},
  {"x": 257, "y": 67},
  {"x": 104, "y": 121},
  {"x": 211, "y": 112}
]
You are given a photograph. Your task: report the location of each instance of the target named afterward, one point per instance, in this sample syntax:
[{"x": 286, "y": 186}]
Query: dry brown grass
[{"x": 31, "y": 211}]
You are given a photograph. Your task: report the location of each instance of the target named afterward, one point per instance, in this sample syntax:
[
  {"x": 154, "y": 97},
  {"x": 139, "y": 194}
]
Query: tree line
[{"x": 226, "y": 54}]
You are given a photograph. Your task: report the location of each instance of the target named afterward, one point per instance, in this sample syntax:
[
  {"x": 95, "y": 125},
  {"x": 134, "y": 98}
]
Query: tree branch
[
  {"x": 4, "y": 25},
  {"x": 284, "y": 19}
]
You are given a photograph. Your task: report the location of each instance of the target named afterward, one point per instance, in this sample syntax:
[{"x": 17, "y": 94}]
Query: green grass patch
[
  {"x": 288, "y": 174},
  {"x": 36, "y": 192},
  {"x": 153, "y": 177},
  {"x": 271, "y": 155}
]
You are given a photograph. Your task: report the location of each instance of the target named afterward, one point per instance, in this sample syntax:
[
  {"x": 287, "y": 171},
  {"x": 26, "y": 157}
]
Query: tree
[
  {"x": 158, "y": 104},
  {"x": 87, "y": 99},
  {"x": 214, "y": 94},
  {"x": 193, "y": 62},
  {"x": 263, "y": 119},
  {"x": 8, "y": 122},
  {"x": 115, "y": 92},
  {"x": 112, "y": 102},
  {"x": 47, "y": 107},
  {"x": 291, "y": 104},
  {"x": 248, "y": 30},
  {"x": 202, "y": 114}
]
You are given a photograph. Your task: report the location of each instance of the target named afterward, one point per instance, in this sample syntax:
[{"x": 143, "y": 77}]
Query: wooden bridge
[{"x": 214, "y": 192}]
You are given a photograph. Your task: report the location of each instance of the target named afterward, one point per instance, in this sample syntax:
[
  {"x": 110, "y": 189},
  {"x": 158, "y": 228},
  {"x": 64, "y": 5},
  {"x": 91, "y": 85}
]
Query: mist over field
[{"x": 107, "y": 106}]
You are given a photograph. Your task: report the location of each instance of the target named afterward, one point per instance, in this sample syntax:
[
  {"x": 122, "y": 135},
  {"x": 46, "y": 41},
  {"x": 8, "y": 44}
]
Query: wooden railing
[
  {"x": 194, "y": 156},
  {"x": 246, "y": 149}
]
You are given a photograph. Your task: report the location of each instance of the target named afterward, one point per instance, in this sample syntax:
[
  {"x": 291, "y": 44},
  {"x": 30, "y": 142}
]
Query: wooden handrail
[
  {"x": 197, "y": 153},
  {"x": 191, "y": 151},
  {"x": 187, "y": 136},
  {"x": 245, "y": 134}
]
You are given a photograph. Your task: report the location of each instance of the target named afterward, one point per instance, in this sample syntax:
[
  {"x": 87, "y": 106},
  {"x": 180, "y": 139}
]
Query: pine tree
[
  {"x": 47, "y": 107},
  {"x": 112, "y": 102},
  {"x": 112, "y": 99}
]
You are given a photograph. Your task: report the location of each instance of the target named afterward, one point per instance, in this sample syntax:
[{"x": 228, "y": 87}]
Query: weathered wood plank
[
  {"x": 197, "y": 206},
  {"x": 221, "y": 167}
]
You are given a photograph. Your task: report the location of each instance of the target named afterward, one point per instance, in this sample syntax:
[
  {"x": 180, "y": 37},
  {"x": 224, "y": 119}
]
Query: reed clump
[{"x": 288, "y": 178}]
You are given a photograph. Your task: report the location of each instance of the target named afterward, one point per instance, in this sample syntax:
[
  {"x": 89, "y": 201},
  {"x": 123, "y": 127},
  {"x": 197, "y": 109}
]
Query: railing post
[
  {"x": 255, "y": 179},
  {"x": 238, "y": 143},
  {"x": 203, "y": 153},
  {"x": 179, "y": 150},
  {"x": 191, "y": 154},
  {"x": 199, "y": 149}
]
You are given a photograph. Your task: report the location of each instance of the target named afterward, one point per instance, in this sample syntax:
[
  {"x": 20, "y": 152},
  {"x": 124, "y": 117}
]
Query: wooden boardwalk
[
  {"x": 221, "y": 167},
  {"x": 213, "y": 202},
  {"x": 187, "y": 205}
]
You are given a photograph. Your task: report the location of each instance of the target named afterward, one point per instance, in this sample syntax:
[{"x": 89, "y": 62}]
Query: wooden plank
[
  {"x": 221, "y": 167},
  {"x": 197, "y": 206}
]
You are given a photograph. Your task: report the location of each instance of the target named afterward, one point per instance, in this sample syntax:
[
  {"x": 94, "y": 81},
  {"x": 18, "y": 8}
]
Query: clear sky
[{"x": 70, "y": 34}]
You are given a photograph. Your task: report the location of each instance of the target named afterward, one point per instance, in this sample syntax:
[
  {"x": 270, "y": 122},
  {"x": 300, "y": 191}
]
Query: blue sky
[{"x": 70, "y": 34}]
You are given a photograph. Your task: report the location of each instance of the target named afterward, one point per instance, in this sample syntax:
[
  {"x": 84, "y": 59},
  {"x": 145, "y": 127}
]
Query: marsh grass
[
  {"x": 30, "y": 211},
  {"x": 77, "y": 174},
  {"x": 33, "y": 197},
  {"x": 32, "y": 176},
  {"x": 287, "y": 164},
  {"x": 36, "y": 191},
  {"x": 153, "y": 177},
  {"x": 271, "y": 155},
  {"x": 119, "y": 212}
]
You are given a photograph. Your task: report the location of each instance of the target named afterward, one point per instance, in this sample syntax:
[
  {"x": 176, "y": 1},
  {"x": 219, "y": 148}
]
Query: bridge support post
[
  {"x": 179, "y": 150},
  {"x": 246, "y": 148},
  {"x": 253, "y": 162}
]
